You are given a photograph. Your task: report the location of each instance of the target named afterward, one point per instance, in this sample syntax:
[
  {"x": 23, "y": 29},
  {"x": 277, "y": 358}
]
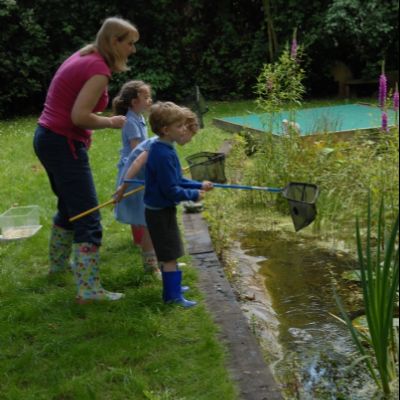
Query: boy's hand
[
  {"x": 207, "y": 186},
  {"x": 202, "y": 194}
]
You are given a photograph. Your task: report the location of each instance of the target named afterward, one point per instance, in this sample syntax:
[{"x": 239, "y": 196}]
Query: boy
[
  {"x": 132, "y": 211},
  {"x": 163, "y": 177}
]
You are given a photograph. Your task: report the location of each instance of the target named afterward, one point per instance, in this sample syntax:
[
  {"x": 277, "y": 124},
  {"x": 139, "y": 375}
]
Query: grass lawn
[{"x": 137, "y": 348}]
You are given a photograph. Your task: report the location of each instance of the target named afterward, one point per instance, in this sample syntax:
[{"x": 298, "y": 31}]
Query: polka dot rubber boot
[
  {"x": 60, "y": 248},
  {"x": 87, "y": 275}
]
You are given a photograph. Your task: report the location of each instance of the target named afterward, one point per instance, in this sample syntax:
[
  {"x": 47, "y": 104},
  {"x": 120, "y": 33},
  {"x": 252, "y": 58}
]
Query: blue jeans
[{"x": 72, "y": 182}]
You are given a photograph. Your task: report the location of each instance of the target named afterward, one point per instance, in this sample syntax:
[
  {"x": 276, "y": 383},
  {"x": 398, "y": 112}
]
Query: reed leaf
[
  {"x": 355, "y": 334},
  {"x": 379, "y": 267}
]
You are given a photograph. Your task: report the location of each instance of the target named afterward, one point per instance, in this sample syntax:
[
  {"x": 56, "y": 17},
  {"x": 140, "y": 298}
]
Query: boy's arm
[
  {"x": 170, "y": 182},
  {"x": 133, "y": 170},
  {"x": 205, "y": 185}
]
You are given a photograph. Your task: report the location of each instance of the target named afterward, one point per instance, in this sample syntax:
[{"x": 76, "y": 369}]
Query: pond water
[{"x": 317, "y": 348}]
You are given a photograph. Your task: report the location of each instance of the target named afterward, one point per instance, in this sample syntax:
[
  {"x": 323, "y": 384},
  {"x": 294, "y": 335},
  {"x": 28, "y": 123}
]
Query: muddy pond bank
[{"x": 284, "y": 283}]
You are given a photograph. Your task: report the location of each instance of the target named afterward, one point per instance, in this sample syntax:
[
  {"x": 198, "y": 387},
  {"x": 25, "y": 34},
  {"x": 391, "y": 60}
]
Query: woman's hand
[
  {"x": 82, "y": 114},
  {"x": 118, "y": 121}
]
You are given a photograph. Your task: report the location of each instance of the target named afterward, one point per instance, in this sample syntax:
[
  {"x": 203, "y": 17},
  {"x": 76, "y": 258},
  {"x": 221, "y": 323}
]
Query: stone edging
[{"x": 247, "y": 366}]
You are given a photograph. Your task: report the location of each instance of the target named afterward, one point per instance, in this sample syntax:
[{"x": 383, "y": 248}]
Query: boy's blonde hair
[
  {"x": 112, "y": 28},
  {"x": 129, "y": 91},
  {"x": 165, "y": 113}
]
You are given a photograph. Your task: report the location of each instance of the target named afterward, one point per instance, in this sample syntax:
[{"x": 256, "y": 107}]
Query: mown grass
[
  {"x": 138, "y": 348},
  {"x": 52, "y": 348}
]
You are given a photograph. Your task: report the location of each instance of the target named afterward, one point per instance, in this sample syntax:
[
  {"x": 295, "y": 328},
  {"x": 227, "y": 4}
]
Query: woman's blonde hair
[
  {"x": 165, "y": 113},
  {"x": 129, "y": 91},
  {"x": 112, "y": 28}
]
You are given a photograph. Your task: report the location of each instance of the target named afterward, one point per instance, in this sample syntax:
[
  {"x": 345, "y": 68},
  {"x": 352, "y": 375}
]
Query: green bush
[{"x": 220, "y": 46}]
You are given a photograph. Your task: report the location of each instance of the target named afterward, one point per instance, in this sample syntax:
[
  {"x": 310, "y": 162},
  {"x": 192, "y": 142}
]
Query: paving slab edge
[{"x": 246, "y": 363}]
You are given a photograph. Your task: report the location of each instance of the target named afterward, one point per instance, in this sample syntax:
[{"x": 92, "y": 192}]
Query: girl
[
  {"x": 131, "y": 209},
  {"x": 132, "y": 101},
  {"x": 77, "y": 92}
]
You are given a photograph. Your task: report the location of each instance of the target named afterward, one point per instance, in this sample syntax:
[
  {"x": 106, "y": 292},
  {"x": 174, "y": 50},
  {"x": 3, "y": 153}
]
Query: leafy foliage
[
  {"x": 220, "y": 46},
  {"x": 366, "y": 26},
  {"x": 279, "y": 86}
]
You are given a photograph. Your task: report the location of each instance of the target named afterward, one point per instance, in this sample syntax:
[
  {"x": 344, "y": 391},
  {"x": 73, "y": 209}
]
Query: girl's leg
[
  {"x": 137, "y": 234},
  {"x": 150, "y": 261},
  {"x": 146, "y": 244}
]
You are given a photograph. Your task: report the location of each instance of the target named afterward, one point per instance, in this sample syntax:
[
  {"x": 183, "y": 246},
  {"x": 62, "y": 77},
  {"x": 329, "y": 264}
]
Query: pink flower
[
  {"x": 382, "y": 87},
  {"x": 396, "y": 99},
  {"x": 385, "y": 121},
  {"x": 293, "y": 51},
  {"x": 382, "y": 90}
]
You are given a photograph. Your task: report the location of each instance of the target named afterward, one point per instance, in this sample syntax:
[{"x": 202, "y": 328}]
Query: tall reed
[{"x": 379, "y": 263}]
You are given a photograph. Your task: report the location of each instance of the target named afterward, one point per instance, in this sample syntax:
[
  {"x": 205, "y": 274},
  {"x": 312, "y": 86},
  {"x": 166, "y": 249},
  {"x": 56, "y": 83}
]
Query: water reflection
[{"x": 317, "y": 348}]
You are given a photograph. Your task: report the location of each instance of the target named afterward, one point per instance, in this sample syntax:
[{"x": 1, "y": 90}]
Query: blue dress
[
  {"x": 131, "y": 209},
  {"x": 134, "y": 129}
]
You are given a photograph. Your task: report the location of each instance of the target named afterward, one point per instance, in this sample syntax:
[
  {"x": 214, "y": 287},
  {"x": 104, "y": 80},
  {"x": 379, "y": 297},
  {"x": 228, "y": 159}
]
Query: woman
[{"x": 77, "y": 92}]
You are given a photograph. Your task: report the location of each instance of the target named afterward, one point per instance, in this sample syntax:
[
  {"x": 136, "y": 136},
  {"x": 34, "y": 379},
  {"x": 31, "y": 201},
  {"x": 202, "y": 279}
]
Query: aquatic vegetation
[
  {"x": 344, "y": 172},
  {"x": 396, "y": 99},
  {"x": 379, "y": 264},
  {"x": 382, "y": 88},
  {"x": 280, "y": 85}
]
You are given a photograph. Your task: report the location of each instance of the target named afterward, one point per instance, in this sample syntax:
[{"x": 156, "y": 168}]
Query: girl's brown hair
[
  {"x": 112, "y": 28},
  {"x": 129, "y": 91},
  {"x": 192, "y": 122}
]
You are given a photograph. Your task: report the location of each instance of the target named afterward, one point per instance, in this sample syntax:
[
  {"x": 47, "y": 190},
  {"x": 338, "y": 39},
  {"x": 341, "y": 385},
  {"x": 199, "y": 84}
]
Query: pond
[
  {"x": 317, "y": 350},
  {"x": 332, "y": 119}
]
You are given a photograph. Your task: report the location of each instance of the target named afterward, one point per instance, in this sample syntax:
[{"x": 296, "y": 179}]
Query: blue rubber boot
[
  {"x": 172, "y": 290},
  {"x": 184, "y": 289}
]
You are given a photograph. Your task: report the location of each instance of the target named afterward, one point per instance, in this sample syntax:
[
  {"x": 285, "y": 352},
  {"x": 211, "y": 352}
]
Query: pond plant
[
  {"x": 378, "y": 259},
  {"x": 341, "y": 169},
  {"x": 280, "y": 84}
]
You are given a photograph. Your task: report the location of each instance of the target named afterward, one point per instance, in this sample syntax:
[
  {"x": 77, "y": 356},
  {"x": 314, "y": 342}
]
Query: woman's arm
[{"x": 82, "y": 115}]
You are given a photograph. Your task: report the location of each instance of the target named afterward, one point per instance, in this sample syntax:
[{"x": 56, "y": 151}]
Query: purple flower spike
[
  {"x": 293, "y": 52},
  {"x": 382, "y": 90},
  {"x": 385, "y": 121},
  {"x": 396, "y": 99}
]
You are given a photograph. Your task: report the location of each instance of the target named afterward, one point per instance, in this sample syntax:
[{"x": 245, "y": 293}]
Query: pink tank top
[{"x": 63, "y": 91}]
